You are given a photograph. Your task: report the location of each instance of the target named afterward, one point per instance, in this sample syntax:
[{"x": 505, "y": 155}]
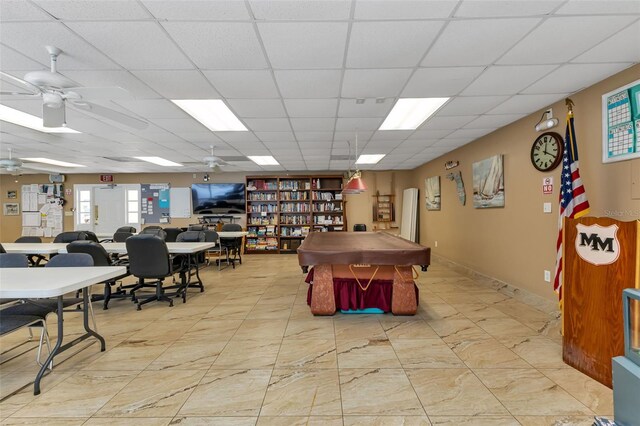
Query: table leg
[
  {"x": 403, "y": 301},
  {"x": 86, "y": 300},
  {"x": 54, "y": 351},
  {"x": 323, "y": 301}
]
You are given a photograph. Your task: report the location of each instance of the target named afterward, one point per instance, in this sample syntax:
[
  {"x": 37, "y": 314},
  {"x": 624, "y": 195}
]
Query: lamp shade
[{"x": 355, "y": 184}]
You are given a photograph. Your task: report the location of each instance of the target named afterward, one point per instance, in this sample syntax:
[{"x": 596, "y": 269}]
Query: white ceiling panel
[
  {"x": 178, "y": 84},
  {"x": 112, "y": 10},
  {"x": 440, "y": 82},
  {"x": 554, "y": 41},
  {"x": 374, "y": 83},
  {"x": 123, "y": 79},
  {"x": 616, "y": 48},
  {"x": 574, "y": 77},
  {"x": 20, "y": 10},
  {"x": 390, "y": 44},
  {"x": 153, "y": 108},
  {"x": 391, "y": 135},
  {"x": 313, "y": 124},
  {"x": 349, "y": 108},
  {"x": 197, "y": 10},
  {"x": 233, "y": 138},
  {"x": 447, "y": 122},
  {"x": 471, "y": 105},
  {"x": 384, "y": 10},
  {"x": 523, "y": 104},
  {"x": 12, "y": 60},
  {"x": 243, "y": 84},
  {"x": 311, "y": 137},
  {"x": 505, "y": 80},
  {"x": 268, "y": 124},
  {"x": 451, "y": 144},
  {"x": 304, "y": 45},
  {"x": 353, "y": 124},
  {"x": 177, "y": 125},
  {"x": 501, "y": 8},
  {"x": 152, "y": 49},
  {"x": 590, "y": 7},
  {"x": 467, "y": 134},
  {"x": 308, "y": 83},
  {"x": 347, "y": 135},
  {"x": 218, "y": 45},
  {"x": 430, "y": 134},
  {"x": 285, "y": 10},
  {"x": 475, "y": 42},
  {"x": 275, "y": 136},
  {"x": 257, "y": 108},
  {"x": 311, "y": 107}
]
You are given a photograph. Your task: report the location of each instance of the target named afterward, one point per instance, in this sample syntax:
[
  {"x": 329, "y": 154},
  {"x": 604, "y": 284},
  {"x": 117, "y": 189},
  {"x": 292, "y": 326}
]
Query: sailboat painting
[
  {"x": 488, "y": 183},
  {"x": 432, "y": 192}
]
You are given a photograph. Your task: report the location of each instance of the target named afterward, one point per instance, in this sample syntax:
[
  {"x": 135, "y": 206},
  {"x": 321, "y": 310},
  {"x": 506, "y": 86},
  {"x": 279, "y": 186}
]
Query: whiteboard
[
  {"x": 408, "y": 226},
  {"x": 180, "y": 202}
]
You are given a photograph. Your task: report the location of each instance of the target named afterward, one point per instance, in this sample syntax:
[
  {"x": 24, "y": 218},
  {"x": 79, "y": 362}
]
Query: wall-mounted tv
[{"x": 218, "y": 198}]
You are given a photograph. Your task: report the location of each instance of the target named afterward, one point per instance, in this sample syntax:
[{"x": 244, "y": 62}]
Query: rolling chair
[
  {"x": 196, "y": 227},
  {"x": 120, "y": 237},
  {"x": 91, "y": 236},
  {"x": 70, "y": 236},
  {"x": 157, "y": 232},
  {"x": 172, "y": 234},
  {"x": 360, "y": 227},
  {"x": 34, "y": 259},
  {"x": 212, "y": 237},
  {"x": 189, "y": 263},
  {"x": 232, "y": 245},
  {"x": 149, "y": 259}
]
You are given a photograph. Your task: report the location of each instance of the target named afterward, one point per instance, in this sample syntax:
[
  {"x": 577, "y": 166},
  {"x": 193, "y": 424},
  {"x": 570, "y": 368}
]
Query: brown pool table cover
[{"x": 374, "y": 248}]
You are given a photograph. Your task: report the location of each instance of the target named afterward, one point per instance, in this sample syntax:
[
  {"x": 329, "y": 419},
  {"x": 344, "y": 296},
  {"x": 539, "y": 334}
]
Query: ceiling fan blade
[
  {"x": 53, "y": 117},
  {"x": 23, "y": 94},
  {"x": 98, "y": 93},
  {"x": 110, "y": 114},
  {"x": 34, "y": 90}
]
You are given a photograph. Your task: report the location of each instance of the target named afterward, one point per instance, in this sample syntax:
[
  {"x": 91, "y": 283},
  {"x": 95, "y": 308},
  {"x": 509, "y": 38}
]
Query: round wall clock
[{"x": 547, "y": 151}]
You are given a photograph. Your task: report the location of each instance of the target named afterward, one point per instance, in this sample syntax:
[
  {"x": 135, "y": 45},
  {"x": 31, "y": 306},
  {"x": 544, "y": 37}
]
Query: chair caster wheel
[
  {"x": 139, "y": 307},
  {"x": 171, "y": 304}
]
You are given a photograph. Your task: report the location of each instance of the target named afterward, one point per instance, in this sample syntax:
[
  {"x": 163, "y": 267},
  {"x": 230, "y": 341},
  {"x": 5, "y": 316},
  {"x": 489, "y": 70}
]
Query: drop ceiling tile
[
  {"x": 440, "y": 82},
  {"x": 471, "y": 105},
  {"x": 451, "y": 144},
  {"x": 311, "y": 107},
  {"x": 287, "y": 147},
  {"x": 257, "y": 108},
  {"x": 177, "y": 125},
  {"x": 384, "y": 10},
  {"x": 554, "y": 41},
  {"x": 152, "y": 48},
  {"x": 20, "y": 10},
  {"x": 493, "y": 121},
  {"x": 275, "y": 137},
  {"x": 353, "y": 124},
  {"x": 178, "y": 84},
  {"x": 430, "y": 134},
  {"x": 124, "y": 79},
  {"x": 391, "y": 135},
  {"x": 308, "y": 83},
  {"x": 153, "y": 108},
  {"x": 506, "y": 80},
  {"x": 243, "y": 84},
  {"x": 12, "y": 60},
  {"x": 112, "y": 10},
  {"x": 29, "y": 38},
  {"x": 198, "y": 10},
  {"x": 467, "y": 134},
  {"x": 308, "y": 45},
  {"x": 30, "y": 106},
  {"x": 574, "y": 77},
  {"x": 313, "y": 124},
  {"x": 413, "y": 148},
  {"x": 526, "y": 104},
  {"x": 312, "y": 137},
  {"x": 447, "y": 122},
  {"x": 268, "y": 124},
  {"x": 285, "y": 10},
  {"x": 218, "y": 45},
  {"x": 379, "y": 147},
  {"x": 233, "y": 138},
  {"x": 390, "y": 44},
  {"x": 349, "y": 108},
  {"x": 378, "y": 83},
  {"x": 476, "y": 42},
  {"x": 501, "y": 8},
  {"x": 350, "y": 135},
  {"x": 616, "y": 48},
  {"x": 599, "y": 7}
]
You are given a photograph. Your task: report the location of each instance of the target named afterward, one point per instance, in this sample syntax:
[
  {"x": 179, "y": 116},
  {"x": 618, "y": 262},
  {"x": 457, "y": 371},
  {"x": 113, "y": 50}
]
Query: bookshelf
[
  {"x": 282, "y": 210},
  {"x": 383, "y": 208}
]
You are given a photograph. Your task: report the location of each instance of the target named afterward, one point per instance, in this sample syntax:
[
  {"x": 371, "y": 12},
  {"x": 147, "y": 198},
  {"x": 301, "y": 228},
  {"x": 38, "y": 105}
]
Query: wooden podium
[{"x": 601, "y": 258}]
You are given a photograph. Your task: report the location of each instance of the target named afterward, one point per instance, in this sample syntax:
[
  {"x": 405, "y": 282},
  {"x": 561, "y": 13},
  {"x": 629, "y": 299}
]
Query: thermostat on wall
[{"x": 56, "y": 178}]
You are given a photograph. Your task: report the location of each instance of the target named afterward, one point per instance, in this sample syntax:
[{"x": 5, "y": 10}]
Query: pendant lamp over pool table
[{"x": 355, "y": 184}]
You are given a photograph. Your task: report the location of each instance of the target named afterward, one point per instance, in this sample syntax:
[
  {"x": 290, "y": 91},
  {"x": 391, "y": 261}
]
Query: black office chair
[
  {"x": 70, "y": 236},
  {"x": 153, "y": 227},
  {"x": 189, "y": 264},
  {"x": 149, "y": 259},
  {"x": 196, "y": 227},
  {"x": 2, "y": 250},
  {"x": 232, "y": 245},
  {"x": 360, "y": 227},
  {"x": 157, "y": 232},
  {"x": 212, "y": 237},
  {"x": 13, "y": 260},
  {"x": 101, "y": 258},
  {"x": 130, "y": 229},
  {"x": 34, "y": 259},
  {"x": 172, "y": 234},
  {"x": 91, "y": 236},
  {"x": 121, "y": 237}
]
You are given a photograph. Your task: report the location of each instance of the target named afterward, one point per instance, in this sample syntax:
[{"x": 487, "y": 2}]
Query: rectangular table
[
  {"x": 33, "y": 283},
  {"x": 362, "y": 257},
  {"x": 34, "y": 248}
]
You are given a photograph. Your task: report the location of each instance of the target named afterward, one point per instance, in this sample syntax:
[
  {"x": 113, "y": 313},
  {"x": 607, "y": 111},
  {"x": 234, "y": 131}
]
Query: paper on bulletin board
[{"x": 30, "y": 219}]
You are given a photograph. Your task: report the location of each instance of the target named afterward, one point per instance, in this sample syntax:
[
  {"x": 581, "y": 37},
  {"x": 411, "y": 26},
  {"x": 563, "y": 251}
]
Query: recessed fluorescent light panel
[
  {"x": 369, "y": 158},
  {"x": 213, "y": 113},
  {"x": 410, "y": 113},
  {"x": 23, "y": 119},
  {"x": 159, "y": 161},
  {"x": 52, "y": 162},
  {"x": 264, "y": 160}
]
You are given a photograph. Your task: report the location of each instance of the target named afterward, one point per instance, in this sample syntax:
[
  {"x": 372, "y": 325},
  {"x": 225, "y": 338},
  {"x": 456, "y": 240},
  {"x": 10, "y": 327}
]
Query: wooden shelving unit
[
  {"x": 383, "y": 210},
  {"x": 282, "y": 210}
]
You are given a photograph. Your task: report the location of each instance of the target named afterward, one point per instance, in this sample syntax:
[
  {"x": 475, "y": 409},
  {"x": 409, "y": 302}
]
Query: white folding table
[
  {"x": 33, "y": 248},
  {"x": 33, "y": 283}
]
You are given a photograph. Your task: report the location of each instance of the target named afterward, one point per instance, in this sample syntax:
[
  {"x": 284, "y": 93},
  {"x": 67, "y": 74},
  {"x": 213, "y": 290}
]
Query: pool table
[{"x": 375, "y": 265}]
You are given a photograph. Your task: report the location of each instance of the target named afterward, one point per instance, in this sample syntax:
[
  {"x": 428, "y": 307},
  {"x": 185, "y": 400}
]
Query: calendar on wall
[{"x": 621, "y": 123}]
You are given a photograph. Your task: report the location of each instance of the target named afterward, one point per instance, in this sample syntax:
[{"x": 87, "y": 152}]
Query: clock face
[{"x": 546, "y": 152}]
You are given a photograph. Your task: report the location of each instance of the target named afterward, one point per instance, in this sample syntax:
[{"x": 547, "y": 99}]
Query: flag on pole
[{"x": 573, "y": 198}]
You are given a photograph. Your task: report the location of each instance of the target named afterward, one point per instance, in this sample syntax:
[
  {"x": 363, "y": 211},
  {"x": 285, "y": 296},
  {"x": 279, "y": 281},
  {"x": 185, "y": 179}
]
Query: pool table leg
[
  {"x": 323, "y": 301},
  {"x": 403, "y": 301}
]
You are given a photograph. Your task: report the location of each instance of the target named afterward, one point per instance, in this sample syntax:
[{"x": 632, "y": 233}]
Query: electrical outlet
[
  {"x": 436, "y": 244},
  {"x": 547, "y": 276}
]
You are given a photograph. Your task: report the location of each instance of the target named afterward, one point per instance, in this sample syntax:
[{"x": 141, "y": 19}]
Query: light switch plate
[{"x": 546, "y": 207}]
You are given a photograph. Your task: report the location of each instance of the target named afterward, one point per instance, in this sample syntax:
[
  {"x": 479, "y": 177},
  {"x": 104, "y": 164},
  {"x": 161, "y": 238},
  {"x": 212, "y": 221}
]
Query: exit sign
[{"x": 106, "y": 178}]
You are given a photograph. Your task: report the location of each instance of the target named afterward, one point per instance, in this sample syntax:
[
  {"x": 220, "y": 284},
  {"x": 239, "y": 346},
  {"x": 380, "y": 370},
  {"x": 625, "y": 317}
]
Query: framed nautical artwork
[
  {"x": 432, "y": 192},
  {"x": 488, "y": 183}
]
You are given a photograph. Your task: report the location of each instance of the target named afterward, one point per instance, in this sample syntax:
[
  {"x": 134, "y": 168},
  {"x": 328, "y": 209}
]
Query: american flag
[{"x": 573, "y": 198}]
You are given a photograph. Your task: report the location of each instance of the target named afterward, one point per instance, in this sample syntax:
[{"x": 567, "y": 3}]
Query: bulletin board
[
  {"x": 621, "y": 123},
  {"x": 42, "y": 212},
  {"x": 155, "y": 203}
]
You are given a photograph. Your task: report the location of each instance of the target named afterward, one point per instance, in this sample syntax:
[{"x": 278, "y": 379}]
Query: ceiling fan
[
  {"x": 214, "y": 162},
  {"x": 57, "y": 92}
]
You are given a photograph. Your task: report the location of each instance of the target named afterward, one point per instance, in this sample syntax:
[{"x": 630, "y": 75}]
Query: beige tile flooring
[{"x": 247, "y": 351}]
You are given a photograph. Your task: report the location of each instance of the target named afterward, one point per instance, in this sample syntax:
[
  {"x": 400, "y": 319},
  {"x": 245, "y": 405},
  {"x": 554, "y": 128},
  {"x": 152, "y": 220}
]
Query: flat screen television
[{"x": 218, "y": 198}]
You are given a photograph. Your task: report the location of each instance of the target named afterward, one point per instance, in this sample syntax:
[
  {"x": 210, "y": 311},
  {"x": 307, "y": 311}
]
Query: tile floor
[{"x": 247, "y": 351}]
